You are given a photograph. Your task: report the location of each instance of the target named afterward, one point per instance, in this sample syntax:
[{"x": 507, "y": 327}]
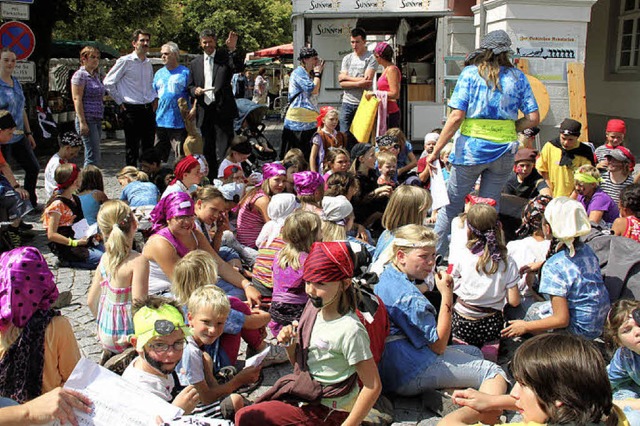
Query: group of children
[{"x": 291, "y": 245}]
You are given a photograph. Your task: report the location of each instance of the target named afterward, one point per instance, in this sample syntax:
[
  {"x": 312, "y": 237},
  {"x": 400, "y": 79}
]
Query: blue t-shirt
[
  {"x": 171, "y": 85},
  {"x": 12, "y": 99},
  {"x": 413, "y": 328},
  {"x": 139, "y": 194},
  {"x": 473, "y": 96},
  {"x": 300, "y": 82},
  {"x": 383, "y": 242},
  {"x": 624, "y": 371},
  {"x": 579, "y": 280}
]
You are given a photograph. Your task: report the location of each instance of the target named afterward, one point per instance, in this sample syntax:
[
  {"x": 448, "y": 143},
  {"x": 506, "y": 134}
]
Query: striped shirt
[
  {"x": 614, "y": 189},
  {"x": 250, "y": 221},
  {"x": 115, "y": 322},
  {"x": 263, "y": 268}
]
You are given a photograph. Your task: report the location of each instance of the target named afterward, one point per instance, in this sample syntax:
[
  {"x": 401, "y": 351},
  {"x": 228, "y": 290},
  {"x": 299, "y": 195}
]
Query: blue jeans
[
  {"x": 347, "y": 112},
  {"x": 461, "y": 183},
  {"x": 91, "y": 142},
  {"x": 22, "y": 152},
  {"x": 231, "y": 290},
  {"x": 460, "y": 366},
  {"x": 95, "y": 254},
  {"x": 7, "y": 402}
]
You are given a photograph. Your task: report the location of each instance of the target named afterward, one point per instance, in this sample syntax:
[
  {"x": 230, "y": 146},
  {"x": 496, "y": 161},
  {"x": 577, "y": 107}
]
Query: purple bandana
[
  {"x": 488, "y": 238},
  {"x": 307, "y": 182},
  {"x": 175, "y": 204}
]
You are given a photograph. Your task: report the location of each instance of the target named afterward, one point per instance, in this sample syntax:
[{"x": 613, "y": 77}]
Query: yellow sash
[
  {"x": 499, "y": 131},
  {"x": 302, "y": 115}
]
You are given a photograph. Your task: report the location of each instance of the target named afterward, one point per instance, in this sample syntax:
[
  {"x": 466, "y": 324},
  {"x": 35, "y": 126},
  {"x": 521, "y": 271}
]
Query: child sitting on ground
[
  {"x": 91, "y": 192},
  {"x": 159, "y": 338},
  {"x": 571, "y": 277},
  {"x": 628, "y": 224},
  {"x": 484, "y": 277},
  {"x": 299, "y": 232},
  {"x": 137, "y": 191},
  {"x": 309, "y": 187},
  {"x": 239, "y": 150},
  {"x": 208, "y": 309},
  {"x": 621, "y": 331},
  {"x": 336, "y": 160},
  {"x": 70, "y": 144},
  {"x": 387, "y": 164}
]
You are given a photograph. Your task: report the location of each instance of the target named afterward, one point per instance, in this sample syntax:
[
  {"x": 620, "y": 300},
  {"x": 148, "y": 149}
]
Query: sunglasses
[{"x": 395, "y": 146}]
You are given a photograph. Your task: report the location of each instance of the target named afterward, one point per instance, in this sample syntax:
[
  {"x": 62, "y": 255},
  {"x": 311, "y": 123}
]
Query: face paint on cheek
[
  {"x": 316, "y": 301},
  {"x": 158, "y": 365},
  {"x": 519, "y": 169}
]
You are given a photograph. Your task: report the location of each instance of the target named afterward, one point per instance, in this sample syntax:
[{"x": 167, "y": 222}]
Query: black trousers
[
  {"x": 23, "y": 154},
  {"x": 300, "y": 139},
  {"x": 139, "y": 131},
  {"x": 217, "y": 135}
]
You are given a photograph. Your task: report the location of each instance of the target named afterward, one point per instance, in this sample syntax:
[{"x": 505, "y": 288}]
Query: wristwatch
[{"x": 28, "y": 133}]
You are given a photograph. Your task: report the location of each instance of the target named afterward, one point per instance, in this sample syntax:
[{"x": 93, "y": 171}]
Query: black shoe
[
  {"x": 24, "y": 226},
  {"x": 14, "y": 237}
]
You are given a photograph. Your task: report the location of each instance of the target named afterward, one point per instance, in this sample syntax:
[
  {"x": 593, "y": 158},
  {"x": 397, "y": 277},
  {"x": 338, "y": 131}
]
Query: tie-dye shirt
[
  {"x": 624, "y": 372},
  {"x": 579, "y": 280},
  {"x": 473, "y": 96},
  {"x": 300, "y": 82}
]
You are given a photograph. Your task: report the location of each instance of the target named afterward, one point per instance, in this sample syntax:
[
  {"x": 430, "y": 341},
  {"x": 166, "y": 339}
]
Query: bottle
[{"x": 414, "y": 76}]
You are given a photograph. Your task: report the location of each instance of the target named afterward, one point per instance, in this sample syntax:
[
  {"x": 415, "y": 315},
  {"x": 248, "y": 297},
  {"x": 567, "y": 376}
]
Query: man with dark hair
[
  {"x": 130, "y": 84},
  {"x": 356, "y": 75},
  {"x": 210, "y": 84}
]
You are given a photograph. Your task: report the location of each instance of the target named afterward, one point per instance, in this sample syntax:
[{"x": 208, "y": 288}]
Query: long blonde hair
[
  {"x": 408, "y": 204},
  {"x": 133, "y": 174},
  {"x": 331, "y": 231},
  {"x": 8, "y": 337},
  {"x": 115, "y": 221},
  {"x": 489, "y": 65},
  {"x": 194, "y": 270},
  {"x": 300, "y": 231}
]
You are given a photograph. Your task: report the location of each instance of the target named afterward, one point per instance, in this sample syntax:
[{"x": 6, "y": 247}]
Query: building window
[{"x": 628, "y": 51}]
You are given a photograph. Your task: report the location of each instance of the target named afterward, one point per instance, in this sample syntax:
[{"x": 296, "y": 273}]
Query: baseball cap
[
  {"x": 570, "y": 127},
  {"x": 149, "y": 323},
  {"x": 621, "y": 153}
]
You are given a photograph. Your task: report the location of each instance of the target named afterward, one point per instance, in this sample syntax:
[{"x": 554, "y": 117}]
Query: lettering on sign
[
  {"x": 14, "y": 11},
  {"x": 323, "y": 29},
  {"x": 414, "y": 4},
  {"x": 324, "y": 5},
  {"x": 370, "y": 4},
  {"x": 25, "y": 72}
]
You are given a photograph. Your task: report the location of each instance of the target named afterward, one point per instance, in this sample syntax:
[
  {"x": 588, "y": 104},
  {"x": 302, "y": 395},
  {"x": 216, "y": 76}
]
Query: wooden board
[
  {"x": 421, "y": 92},
  {"x": 541, "y": 95},
  {"x": 578, "y": 97}
]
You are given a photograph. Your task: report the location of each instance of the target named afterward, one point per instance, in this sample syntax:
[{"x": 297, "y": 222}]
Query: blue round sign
[{"x": 19, "y": 38}]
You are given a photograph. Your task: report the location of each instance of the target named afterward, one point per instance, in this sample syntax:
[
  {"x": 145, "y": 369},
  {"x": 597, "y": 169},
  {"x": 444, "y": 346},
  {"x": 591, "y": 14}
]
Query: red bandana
[{"x": 328, "y": 262}]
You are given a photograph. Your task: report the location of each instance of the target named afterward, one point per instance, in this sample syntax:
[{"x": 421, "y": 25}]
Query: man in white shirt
[
  {"x": 130, "y": 84},
  {"x": 356, "y": 75}
]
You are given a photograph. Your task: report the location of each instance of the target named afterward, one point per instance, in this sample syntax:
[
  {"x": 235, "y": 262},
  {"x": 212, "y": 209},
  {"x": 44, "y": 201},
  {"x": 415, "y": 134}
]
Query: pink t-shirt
[{"x": 288, "y": 285}]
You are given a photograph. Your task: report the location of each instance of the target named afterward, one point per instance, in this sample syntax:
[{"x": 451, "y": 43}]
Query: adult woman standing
[
  {"x": 260, "y": 88},
  {"x": 22, "y": 144},
  {"x": 300, "y": 122},
  {"x": 485, "y": 104},
  {"x": 389, "y": 82},
  {"x": 87, "y": 91}
]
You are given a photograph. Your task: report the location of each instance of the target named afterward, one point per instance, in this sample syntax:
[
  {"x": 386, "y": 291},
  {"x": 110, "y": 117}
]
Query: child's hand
[
  {"x": 288, "y": 334},
  {"x": 187, "y": 399},
  {"x": 383, "y": 191},
  {"x": 247, "y": 376},
  {"x": 83, "y": 241},
  {"x": 516, "y": 328},
  {"x": 477, "y": 400},
  {"x": 531, "y": 267},
  {"x": 444, "y": 283}
]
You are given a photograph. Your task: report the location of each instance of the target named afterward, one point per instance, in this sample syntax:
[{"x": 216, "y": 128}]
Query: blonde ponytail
[{"x": 115, "y": 221}]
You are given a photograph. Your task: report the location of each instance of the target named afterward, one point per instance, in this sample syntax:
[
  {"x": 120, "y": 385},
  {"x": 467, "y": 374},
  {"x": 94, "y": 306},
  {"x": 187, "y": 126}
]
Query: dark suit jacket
[{"x": 224, "y": 108}]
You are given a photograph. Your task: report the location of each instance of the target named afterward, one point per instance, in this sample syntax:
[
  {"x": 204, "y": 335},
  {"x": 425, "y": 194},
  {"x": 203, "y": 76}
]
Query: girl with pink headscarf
[
  {"x": 38, "y": 350},
  {"x": 175, "y": 235},
  {"x": 253, "y": 213}
]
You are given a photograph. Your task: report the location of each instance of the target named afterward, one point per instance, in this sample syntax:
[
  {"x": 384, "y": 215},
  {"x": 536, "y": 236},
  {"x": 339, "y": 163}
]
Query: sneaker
[
  {"x": 14, "y": 237},
  {"x": 276, "y": 355},
  {"x": 118, "y": 363}
]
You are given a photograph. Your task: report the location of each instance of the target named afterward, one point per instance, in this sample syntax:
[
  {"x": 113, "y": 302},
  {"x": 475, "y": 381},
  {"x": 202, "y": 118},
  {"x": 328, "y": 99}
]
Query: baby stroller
[{"x": 249, "y": 123}]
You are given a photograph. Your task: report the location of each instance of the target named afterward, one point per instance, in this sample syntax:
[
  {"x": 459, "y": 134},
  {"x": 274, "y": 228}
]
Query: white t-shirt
[
  {"x": 226, "y": 163},
  {"x": 479, "y": 289},
  {"x": 50, "y": 174},
  {"x": 157, "y": 385},
  {"x": 458, "y": 242},
  {"x": 526, "y": 251},
  {"x": 190, "y": 369},
  {"x": 356, "y": 66}
]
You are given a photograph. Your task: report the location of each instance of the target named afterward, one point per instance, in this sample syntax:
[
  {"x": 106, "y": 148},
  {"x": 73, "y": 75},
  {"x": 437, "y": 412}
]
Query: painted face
[
  {"x": 629, "y": 335},
  {"x": 8, "y": 62},
  {"x": 569, "y": 141},
  {"x": 524, "y": 169},
  {"x": 388, "y": 169},
  {"x": 207, "y": 325},
  {"x": 209, "y": 211},
  {"x": 416, "y": 263},
  {"x": 528, "y": 404},
  {"x": 614, "y": 138},
  {"x": 142, "y": 44},
  {"x": 208, "y": 44},
  {"x": 181, "y": 224},
  {"x": 192, "y": 177},
  {"x": 615, "y": 165},
  {"x": 323, "y": 294},
  {"x": 276, "y": 184},
  {"x": 341, "y": 163},
  {"x": 164, "y": 352}
]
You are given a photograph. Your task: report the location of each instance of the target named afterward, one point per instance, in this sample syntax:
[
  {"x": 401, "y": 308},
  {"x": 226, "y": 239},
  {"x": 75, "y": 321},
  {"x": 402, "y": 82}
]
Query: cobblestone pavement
[{"x": 407, "y": 410}]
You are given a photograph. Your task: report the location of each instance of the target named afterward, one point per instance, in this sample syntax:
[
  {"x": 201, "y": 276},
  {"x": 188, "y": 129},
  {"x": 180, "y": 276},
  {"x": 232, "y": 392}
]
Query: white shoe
[{"x": 276, "y": 355}]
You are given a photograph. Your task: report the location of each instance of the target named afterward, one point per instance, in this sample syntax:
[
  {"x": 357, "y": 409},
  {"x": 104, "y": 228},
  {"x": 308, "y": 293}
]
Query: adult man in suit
[{"x": 210, "y": 85}]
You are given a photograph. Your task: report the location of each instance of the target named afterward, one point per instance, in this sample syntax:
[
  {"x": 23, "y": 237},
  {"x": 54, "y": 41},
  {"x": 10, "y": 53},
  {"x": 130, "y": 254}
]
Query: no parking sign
[{"x": 19, "y": 38}]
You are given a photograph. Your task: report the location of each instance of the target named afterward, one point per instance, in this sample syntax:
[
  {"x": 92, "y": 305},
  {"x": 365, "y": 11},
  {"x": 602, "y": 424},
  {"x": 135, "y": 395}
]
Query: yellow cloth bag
[{"x": 365, "y": 118}]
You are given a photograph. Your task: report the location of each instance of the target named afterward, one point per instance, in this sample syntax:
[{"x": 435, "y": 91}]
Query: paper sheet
[
  {"x": 82, "y": 229},
  {"x": 438, "y": 187},
  {"x": 257, "y": 359},
  {"x": 115, "y": 401}
]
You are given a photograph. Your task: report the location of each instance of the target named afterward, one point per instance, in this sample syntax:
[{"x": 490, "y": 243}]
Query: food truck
[{"x": 416, "y": 29}]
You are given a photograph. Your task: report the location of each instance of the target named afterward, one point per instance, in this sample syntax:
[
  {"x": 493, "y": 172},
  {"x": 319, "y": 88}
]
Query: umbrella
[{"x": 272, "y": 52}]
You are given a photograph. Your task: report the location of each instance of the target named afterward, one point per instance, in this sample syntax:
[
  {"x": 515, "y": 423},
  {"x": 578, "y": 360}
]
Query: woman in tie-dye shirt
[{"x": 484, "y": 124}]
